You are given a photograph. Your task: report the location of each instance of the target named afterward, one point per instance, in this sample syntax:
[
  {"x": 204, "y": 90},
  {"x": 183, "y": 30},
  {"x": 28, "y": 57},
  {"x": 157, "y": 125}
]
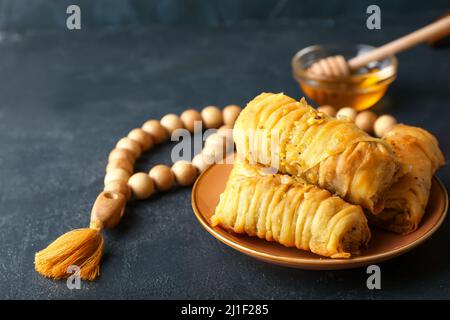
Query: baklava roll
[
  {"x": 278, "y": 131},
  {"x": 418, "y": 151},
  {"x": 291, "y": 212}
]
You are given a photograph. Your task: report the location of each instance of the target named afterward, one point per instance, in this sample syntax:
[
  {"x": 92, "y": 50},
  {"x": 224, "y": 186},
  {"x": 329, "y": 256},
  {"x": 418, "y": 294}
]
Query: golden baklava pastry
[
  {"x": 418, "y": 151},
  {"x": 280, "y": 208},
  {"x": 278, "y": 131}
]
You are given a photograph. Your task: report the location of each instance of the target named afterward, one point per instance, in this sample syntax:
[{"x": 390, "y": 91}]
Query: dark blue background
[
  {"x": 49, "y": 14},
  {"x": 66, "y": 97}
]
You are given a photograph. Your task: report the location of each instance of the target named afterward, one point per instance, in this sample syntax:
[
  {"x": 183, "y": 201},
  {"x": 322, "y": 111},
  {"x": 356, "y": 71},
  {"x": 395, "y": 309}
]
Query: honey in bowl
[{"x": 361, "y": 90}]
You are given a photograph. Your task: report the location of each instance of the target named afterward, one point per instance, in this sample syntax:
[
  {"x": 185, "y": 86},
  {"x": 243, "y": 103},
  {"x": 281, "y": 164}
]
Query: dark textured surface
[
  {"x": 50, "y": 14},
  {"x": 66, "y": 97}
]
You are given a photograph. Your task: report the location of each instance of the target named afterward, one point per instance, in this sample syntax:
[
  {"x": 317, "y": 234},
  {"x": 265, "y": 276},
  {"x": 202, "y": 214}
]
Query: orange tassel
[{"x": 80, "y": 247}]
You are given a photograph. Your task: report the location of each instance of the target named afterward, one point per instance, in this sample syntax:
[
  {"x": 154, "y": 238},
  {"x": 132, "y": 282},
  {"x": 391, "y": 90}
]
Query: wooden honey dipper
[{"x": 338, "y": 67}]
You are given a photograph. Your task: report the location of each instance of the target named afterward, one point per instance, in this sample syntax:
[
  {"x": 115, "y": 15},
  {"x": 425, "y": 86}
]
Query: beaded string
[{"x": 119, "y": 171}]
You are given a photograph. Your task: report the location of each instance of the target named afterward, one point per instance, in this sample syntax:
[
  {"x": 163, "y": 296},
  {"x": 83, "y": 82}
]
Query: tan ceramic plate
[{"x": 383, "y": 245}]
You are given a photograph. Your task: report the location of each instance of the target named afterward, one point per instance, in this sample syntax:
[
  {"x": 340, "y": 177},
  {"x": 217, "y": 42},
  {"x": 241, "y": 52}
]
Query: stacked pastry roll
[
  {"x": 280, "y": 132},
  {"x": 302, "y": 178},
  {"x": 418, "y": 151},
  {"x": 290, "y": 211}
]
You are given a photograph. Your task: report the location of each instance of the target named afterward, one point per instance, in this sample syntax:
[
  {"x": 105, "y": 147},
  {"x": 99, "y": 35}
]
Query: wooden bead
[
  {"x": 383, "y": 124},
  {"x": 328, "y": 110},
  {"x": 224, "y": 127},
  {"x": 141, "y": 185},
  {"x": 230, "y": 114},
  {"x": 215, "y": 138},
  {"x": 119, "y": 186},
  {"x": 227, "y": 132},
  {"x": 185, "y": 173},
  {"x": 120, "y": 163},
  {"x": 162, "y": 177},
  {"x": 212, "y": 117},
  {"x": 189, "y": 117},
  {"x": 200, "y": 163},
  {"x": 346, "y": 113},
  {"x": 131, "y": 145},
  {"x": 156, "y": 130},
  {"x": 220, "y": 144},
  {"x": 144, "y": 139},
  {"x": 116, "y": 174},
  {"x": 171, "y": 122},
  {"x": 210, "y": 155},
  {"x": 365, "y": 120},
  {"x": 213, "y": 153},
  {"x": 119, "y": 153},
  {"x": 107, "y": 210}
]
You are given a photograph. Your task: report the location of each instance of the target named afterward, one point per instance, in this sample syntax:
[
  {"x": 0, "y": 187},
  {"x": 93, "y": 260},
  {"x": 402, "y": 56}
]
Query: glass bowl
[{"x": 361, "y": 90}]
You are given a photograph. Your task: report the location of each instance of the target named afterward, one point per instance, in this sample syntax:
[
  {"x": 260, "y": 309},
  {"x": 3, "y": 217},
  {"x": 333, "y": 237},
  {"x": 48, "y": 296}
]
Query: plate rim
[{"x": 324, "y": 262}]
